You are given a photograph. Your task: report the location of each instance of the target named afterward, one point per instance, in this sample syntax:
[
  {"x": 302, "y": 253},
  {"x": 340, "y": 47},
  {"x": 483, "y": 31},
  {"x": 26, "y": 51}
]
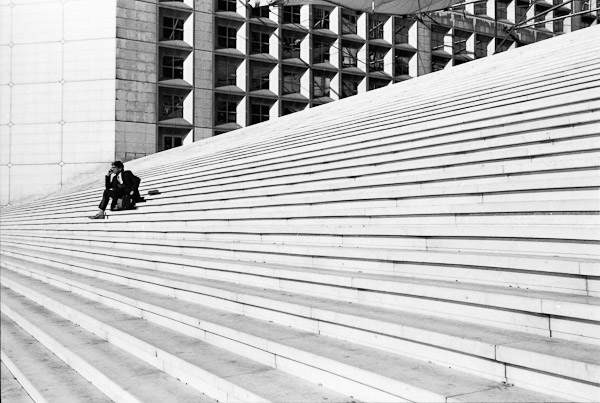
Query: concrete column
[{"x": 423, "y": 56}]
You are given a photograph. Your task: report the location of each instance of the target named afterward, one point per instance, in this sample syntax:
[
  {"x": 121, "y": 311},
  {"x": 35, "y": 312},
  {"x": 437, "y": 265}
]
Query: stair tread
[
  {"x": 153, "y": 339},
  {"x": 130, "y": 374},
  {"x": 469, "y": 338},
  {"x": 12, "y": 391},
  {"x": 51, "y": 377},
  {"x": 400, "y": 281},
  {"x": 420, "y": 374}
]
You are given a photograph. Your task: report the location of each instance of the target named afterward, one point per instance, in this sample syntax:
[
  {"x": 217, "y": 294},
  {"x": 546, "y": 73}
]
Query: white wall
[{"x": 57, "y": 93}]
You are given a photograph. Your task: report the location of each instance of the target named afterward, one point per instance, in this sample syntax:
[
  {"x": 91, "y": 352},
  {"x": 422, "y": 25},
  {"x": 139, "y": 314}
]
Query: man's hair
[{"x": 118, "y": 164}]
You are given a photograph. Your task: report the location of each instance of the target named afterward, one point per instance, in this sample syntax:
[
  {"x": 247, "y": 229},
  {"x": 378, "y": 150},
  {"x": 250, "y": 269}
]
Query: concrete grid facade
[{"x": 84, "y": 82}]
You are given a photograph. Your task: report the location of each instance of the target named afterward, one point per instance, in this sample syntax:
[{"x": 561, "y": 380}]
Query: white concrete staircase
[{"x": 436, "y": 240}]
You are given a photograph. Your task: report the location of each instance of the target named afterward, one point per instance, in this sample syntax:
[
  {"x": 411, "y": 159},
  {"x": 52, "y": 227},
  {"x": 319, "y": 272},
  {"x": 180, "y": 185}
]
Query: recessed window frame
[
  {"x": 259, "y": 42},
  {"x": 291, "y": 14},
  {"x": 226, "y": 36},
  {"x": 171, "y": 66},
  {"x": 171, "y": 106},
  {"x": 321, "y": 18},
  {"x": 172, "y": 28}
]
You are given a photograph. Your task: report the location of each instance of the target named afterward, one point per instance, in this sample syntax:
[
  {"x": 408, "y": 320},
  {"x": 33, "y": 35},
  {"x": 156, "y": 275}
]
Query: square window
[
  {"x": 320, "y": 18},
  {"x": 320, "y": 52},
  {"x": 259, "y": 42},
  {"x": 259, "y": 77},
  {"x": 291, "y": 15},
  {"x": 172, "y": 67},
  {"x": 321, "y": 86},
  {"x": 226, "y": 37},
  {"x": 259, "y": 113},
  {"x": 226, "y": 5},
  {"x": 349, "y": 22},
  {"x": 172, "y": 29},
  {"x": 349, "y": 57},
  {"x": 376, "y": 28},
  {"x": 226, "y": 111},
  {"x": 171, "y": 106}
]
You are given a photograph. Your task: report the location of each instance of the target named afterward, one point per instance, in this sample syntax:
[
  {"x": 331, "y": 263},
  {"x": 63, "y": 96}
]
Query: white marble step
[
  {"x": 354, "y": 290},
  {"x": 275, "y": 342},
  {"x": 219, "y": 374}
]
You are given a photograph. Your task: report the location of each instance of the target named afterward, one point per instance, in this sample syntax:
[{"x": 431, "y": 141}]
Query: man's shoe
[{"x": 98, "y": 216}]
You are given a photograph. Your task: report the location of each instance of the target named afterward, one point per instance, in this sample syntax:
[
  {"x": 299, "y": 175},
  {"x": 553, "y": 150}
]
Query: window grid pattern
[
  {"x": 305, "y": 44},
  {"x": 172, "y": 67},
  {"x": 226, "y": 37},
  {"x": 172, "y": 106},
  {"x": 172, "y": 29}
]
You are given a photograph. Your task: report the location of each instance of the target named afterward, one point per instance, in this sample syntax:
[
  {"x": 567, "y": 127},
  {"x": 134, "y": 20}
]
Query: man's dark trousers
[{"x": 114, "y": 193}]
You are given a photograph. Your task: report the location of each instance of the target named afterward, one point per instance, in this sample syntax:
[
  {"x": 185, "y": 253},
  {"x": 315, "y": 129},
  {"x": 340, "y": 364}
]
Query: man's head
[{"x": 116, "y": 167}]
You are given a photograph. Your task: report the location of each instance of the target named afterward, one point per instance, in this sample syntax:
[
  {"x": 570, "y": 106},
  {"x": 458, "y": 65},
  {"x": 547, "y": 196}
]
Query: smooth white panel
[
  {"x": 5, "y": 64},
  {"x": 5, "y": 25},
  {"x": 4, "y": 144},
  {"x": 37, "y": 23},
  {"x": 72, "y": 174},
  {"x": 36, "y": 103},
  {"x": 5, "y": 107},
  {"x": 90, "y": 60},
  {"x": 4, "y": 185},
  {"x": 35, "y": 1},
  {"x": 35, "y": 144},
  {"x": 90, "y": 19},
  {"x": 27, "y": 181},
  {"x": 87, "y": 101},
  {"x": 37, "y": 63},
  {"x": 89, "y": 142}
]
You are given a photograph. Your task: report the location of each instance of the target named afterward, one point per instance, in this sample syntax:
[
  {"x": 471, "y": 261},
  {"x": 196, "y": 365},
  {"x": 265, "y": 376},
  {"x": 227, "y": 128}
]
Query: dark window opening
[
  {"x": 260, "y": 77},
  {"x": 402, "y": 29},
  {"x": 376, "y": 29},
  {"x": 226, "y": 37},
  {"x": 291, "y": 14},
  {"x": 481, "y": 8},
  {"x": 171, "y": 67},
  {"x": 171, "y": 141},
  {"x": 481, "y": 46},
  {"x": 259, "y": 42},
  {"x": 291, "y": 81},
  {"x": 438, "y": 36},
  {"x": 172, "y": 29},
  {"x": 226, "y": 71},
  {"x": 374, "y": 84},
  {"x": 501, "y": 10},
  {"x": 349, "y": 88},
  {"x": 320, "y": 18},
  {"x": 321, "y": 86},
  {"x": 171, "y": 106},
  {"x": 401, "y": 64},
  {"x": 291, "y": 47},
  {"x": 226, "y": 111},
  {"x": 321, "y": 52},
  {"x": 226, "y": 5},
  {"x": 349, "y": 57},
  {"x": 292, "y": 107},
  {"x": 349, "y": 22},
  {"x": 259, "y": 113},
  {"x": 260, "y": 12},
  {"x": 376, "y": 60},
  {"x": 502, "y": 46}
]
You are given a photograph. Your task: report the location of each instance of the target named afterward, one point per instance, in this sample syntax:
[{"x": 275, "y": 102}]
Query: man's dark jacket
[{"x": 130, "y": 182}]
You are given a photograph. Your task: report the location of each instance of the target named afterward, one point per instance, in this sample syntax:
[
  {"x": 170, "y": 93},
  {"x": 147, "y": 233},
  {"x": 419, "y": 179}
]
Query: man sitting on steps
[{"x": 118, "y": 184}]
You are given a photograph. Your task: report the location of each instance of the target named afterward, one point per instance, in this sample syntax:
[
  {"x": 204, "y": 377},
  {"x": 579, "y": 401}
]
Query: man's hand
[{"x": 109, "y": 172}]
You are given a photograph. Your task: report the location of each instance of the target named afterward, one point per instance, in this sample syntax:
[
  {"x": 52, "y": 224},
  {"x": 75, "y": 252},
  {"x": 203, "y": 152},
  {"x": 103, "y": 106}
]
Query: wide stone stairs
[{"x": 436, "y": 240}]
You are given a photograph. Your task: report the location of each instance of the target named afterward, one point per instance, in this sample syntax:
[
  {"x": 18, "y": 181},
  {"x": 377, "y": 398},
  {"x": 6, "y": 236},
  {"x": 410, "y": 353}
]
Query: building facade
[{"x": 85, "y": 82}]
